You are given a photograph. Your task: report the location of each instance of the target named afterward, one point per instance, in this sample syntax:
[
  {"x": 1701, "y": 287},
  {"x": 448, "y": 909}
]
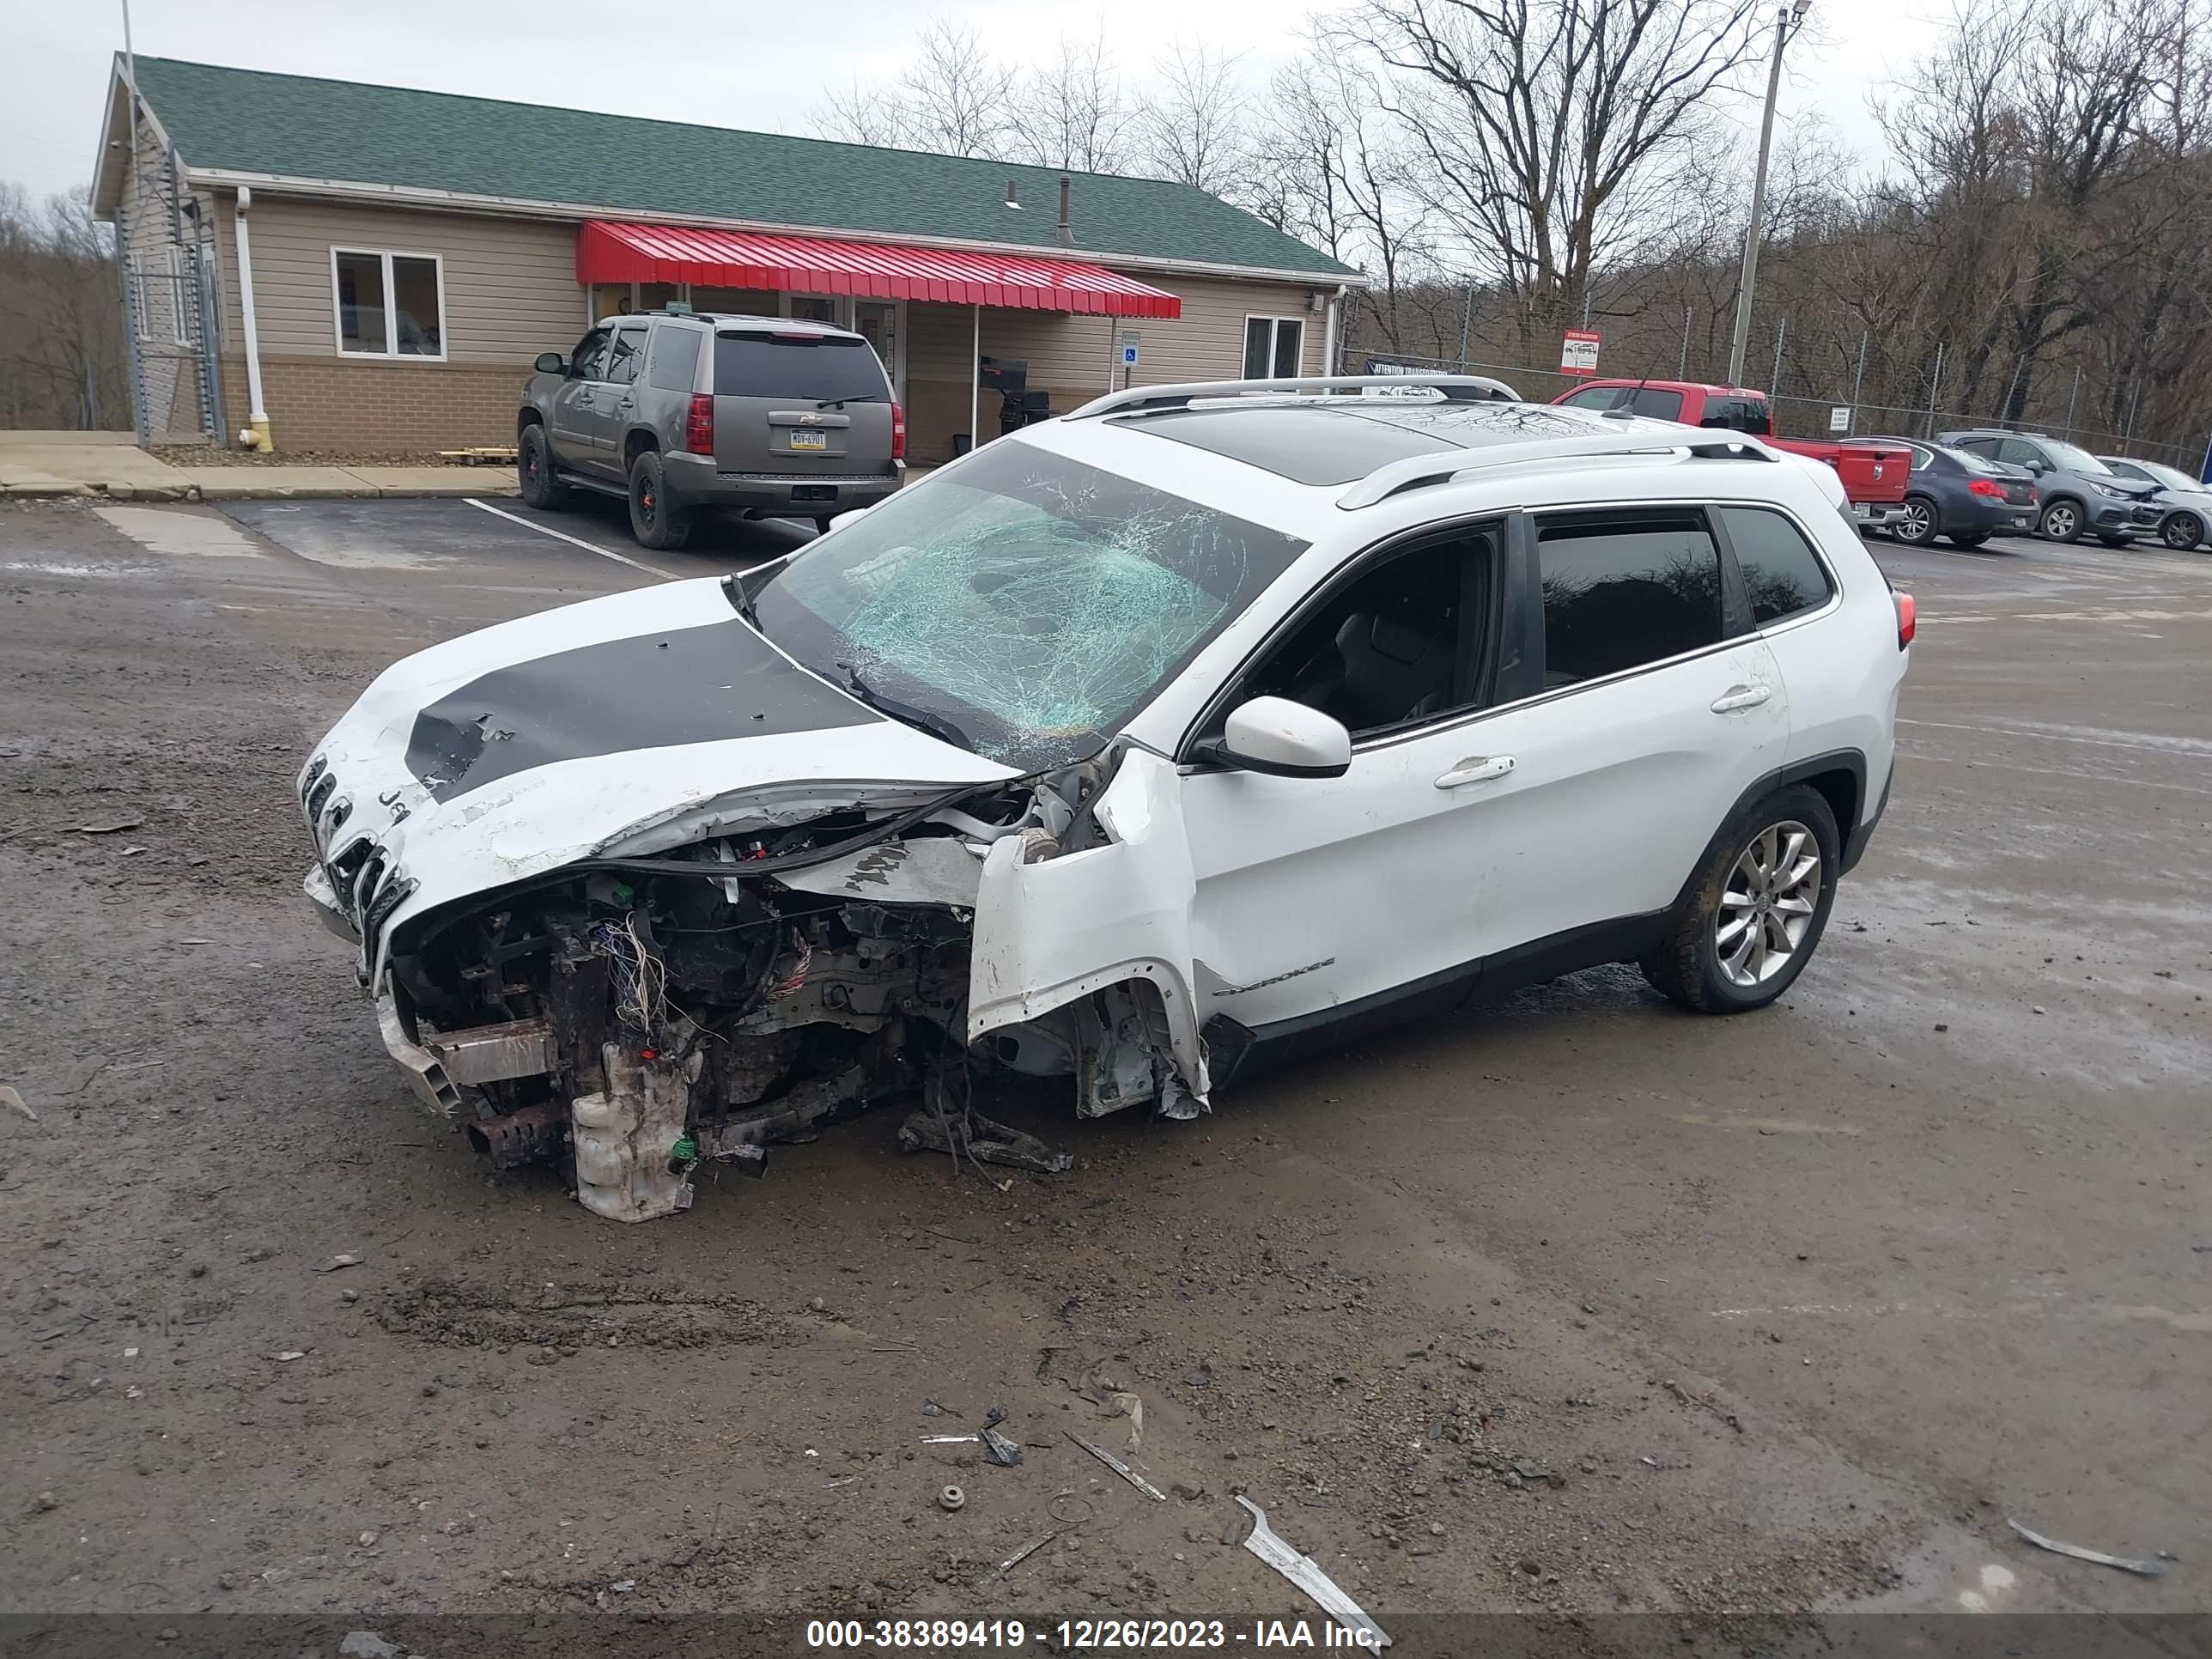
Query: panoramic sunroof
[{"x": 1303, "y": 442}]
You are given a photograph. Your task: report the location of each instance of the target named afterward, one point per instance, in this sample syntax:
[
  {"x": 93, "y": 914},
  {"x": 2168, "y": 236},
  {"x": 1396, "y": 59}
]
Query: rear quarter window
[
  {"x": 818, "y": 367},
  {"x": 1782, "y": 577},
  {"x": 674, "y": 365}
]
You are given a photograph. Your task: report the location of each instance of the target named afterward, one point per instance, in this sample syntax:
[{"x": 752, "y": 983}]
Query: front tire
[
  {"x": 2183, "y": 532},
  {"x": 654, "y": 519},
  {"x": 1919, "y": 525},
  {"x": 2061, "y": 521},
  {"x": 1753, "y": 913},
  {"x": 538, "y": 484}
]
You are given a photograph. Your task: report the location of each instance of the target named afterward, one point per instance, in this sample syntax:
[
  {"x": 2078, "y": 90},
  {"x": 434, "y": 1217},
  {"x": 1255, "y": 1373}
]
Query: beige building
[{"x": 373, "y": 269}]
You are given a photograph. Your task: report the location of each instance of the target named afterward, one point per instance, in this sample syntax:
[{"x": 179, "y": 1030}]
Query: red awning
[{"x": 611, "y": 253}]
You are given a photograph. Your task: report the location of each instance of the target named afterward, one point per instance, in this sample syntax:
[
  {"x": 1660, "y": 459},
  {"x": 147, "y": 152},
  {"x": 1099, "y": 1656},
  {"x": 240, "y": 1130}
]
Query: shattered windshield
[{"x": 1022, "y": 604}]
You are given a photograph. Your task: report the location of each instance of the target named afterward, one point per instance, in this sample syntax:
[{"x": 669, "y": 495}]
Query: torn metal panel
[
  {"x": 923, "y": 869},
  {"x": 1063, "y": 926}
]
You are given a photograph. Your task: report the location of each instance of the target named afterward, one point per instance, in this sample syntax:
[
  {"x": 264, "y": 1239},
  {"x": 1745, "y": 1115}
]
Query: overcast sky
[{"x": 757, "y": 63}]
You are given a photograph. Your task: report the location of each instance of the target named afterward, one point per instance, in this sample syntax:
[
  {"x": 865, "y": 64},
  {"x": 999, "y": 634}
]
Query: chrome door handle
[
  {"x": 1476, "y": 768},
  {"x": 1741, "y": 697}
]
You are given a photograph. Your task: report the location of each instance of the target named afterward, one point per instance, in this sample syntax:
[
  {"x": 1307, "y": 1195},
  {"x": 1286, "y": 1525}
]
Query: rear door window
[
  {"x": 1658, "y": 403},
  {"x": 1782, "y": 575},
  {"x": 811, "y": 368},
  {"x": 1622, "y": 591},
  {"x": 2019, "y": 453},
  {"x": 1593, "y": 397},
  {"x": 674, "y": 364}
]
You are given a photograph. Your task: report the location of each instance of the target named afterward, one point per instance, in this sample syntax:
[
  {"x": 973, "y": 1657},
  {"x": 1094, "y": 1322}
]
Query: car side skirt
[{"x": 1237, "y": 1050}]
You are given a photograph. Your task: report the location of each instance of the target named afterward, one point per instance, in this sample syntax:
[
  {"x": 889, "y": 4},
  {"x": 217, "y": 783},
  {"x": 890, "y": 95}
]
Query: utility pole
[
  {"x": 1858, "y": 378},
  {"x": 1781, "y": 333},
  {"x": 1787, "y": 20},
  {"x": 1682, "y": 369},
  {"x": 1935, "y": 381}
]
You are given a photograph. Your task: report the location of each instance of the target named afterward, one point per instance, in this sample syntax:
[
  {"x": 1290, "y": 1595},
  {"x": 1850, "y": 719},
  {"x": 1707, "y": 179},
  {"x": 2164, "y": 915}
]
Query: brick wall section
[{"x": 371, "y": 409}]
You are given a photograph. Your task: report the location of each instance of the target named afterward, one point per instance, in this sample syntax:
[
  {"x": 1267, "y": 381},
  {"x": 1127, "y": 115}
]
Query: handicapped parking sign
[{"x": 1128, "y": 347}]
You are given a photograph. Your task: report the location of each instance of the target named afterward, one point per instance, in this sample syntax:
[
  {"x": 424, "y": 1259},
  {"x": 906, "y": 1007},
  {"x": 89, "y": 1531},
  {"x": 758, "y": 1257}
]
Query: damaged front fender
[{"x": 1053, "y": 926}]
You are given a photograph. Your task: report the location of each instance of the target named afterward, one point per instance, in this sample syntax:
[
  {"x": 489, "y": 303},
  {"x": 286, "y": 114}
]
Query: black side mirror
[{"x": 551, "y": 363}]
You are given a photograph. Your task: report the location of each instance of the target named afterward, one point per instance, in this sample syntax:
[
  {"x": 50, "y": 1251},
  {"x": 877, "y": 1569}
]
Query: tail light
[
  {"x": 1908, "y": 617},
  {"x": 898, "y": 432},
  {"x": 1988, "y": 487},
  {"x": 699, "y": 425}
]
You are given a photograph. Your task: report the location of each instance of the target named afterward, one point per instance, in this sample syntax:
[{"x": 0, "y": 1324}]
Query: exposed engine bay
[{"x": 631, "y": 1018}]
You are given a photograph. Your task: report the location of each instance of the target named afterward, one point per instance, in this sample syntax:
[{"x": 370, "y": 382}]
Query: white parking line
[
  {"x": 575, "y": 541},
  {"x": 2172, "y": 746}
]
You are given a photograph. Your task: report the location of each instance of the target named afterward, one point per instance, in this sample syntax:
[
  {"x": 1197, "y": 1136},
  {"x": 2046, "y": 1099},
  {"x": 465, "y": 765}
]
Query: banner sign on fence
[
  {"x": 1578, "y": 351},
  {"x": 1839, "y": 418}
]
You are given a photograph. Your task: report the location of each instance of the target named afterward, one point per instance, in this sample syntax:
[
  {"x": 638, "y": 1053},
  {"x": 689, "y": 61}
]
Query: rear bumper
[
  {"x": 694, "y": 482},
  {"x": 1978, "y": 515},
  {"x": 1856, "y": 838},
  {"x": 1877, "y": 516}
]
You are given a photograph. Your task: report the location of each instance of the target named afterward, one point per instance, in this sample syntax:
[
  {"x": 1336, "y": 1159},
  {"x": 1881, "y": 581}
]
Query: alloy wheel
[
  {"x": 1918, "y": 524},
  {"x": 2058, "y": 522},
  {"x": 2182, "y": 531},
  {"x": 1768, "y": 903}
]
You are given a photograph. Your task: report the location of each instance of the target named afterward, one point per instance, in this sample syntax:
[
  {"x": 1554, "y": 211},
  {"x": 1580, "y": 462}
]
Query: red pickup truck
[{"x": 1874, "y": 473}]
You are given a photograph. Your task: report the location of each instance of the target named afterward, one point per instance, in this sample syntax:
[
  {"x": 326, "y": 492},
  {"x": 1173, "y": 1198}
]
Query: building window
[
  {"x": 389, "y": 305},
  {"x": 1273, "y": 347}
]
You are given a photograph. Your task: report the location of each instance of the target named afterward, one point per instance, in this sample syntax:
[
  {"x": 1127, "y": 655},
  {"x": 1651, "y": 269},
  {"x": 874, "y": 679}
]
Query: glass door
[{"x": 878, "y": 322}]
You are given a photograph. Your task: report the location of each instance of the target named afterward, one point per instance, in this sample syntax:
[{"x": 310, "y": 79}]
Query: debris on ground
[
  {"x": 116, "y": 828},
  {"x": 981, "y": 1141},
  {"x": 1119, "y": 1467},
  {"x": 997, "y": 1447},
  {"x": 949, "y": 1499},
  {"x": 1304, "y": 1572},
  {"x": 2125, "y": 1564},
  {"x": 338, "y": 1262},
  {"x": 1026, "y": 1551},
  {"x": 367, "y": 1644},
  {"x": 14, "y": 1102},
  {"x": 1690, "y": 1397},
  {"x": 1130, "y": 1407}
]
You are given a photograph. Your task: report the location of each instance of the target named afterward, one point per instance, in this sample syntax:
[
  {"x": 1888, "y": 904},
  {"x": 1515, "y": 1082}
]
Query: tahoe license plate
[{"x": 804, "y": 440}]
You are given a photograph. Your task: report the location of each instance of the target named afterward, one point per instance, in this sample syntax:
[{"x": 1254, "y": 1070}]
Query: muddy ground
[{"x": 1574, "y": 1304}]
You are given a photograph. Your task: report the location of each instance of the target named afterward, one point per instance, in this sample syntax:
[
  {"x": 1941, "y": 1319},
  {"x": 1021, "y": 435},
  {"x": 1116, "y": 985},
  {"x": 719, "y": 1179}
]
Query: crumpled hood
[{"x": 632, "y": 723}]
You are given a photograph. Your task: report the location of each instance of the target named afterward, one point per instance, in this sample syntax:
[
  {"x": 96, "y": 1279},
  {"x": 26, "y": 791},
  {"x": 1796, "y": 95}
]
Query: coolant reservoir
[{"x": 624, "y": 1138}]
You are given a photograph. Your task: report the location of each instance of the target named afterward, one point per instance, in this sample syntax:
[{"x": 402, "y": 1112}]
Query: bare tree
[
  {"x": 1190, "y": 128},
  {"x": 1070, "y": 112},
  {"x": 61, "y": 328},
  {"x": 1547, "y": 128},
  {"x": 952, "y": 97}
]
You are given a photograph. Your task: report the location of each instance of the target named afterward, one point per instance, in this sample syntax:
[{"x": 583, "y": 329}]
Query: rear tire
[
  {"x": 2061, "y": 521},
  {"x": 1753, "y": 913},
  {"x": 1969, "y": 538},
  {"x": 1920, "y": 524},
  {"x": 652, "y": 521},
  {"x": 539, "y": 485},
  {"x": 2184, "y": 533}
]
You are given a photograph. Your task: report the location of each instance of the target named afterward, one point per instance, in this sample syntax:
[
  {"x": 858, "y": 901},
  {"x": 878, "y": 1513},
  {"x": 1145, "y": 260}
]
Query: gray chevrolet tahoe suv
[
  {"x": 2078, "y": 491},
  {"x": 676, "y": 411}
]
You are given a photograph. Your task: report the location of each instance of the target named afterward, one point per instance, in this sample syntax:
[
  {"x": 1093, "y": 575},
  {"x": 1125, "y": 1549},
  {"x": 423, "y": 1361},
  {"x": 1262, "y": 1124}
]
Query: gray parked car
[
  {"x": 2078, "y": 492},
  {"x": 680, "y": 411},
  {"x": 2186, "y": 504}
]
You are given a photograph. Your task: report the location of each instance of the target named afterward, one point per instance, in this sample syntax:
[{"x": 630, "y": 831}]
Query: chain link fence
[{"x": 1814, "y": 417}]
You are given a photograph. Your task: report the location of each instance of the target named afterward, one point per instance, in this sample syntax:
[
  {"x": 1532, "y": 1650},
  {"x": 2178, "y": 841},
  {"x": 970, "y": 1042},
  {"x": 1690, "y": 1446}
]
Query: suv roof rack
[
  {"x": 1418, "y": 471},
  {"x": 1455, "y": 388}
]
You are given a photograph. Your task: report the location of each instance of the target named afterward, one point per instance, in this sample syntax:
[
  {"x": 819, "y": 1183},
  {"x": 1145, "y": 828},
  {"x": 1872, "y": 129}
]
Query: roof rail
[
  {"x": 1416, "y": 472},
  {"x": 1456, "y": 388}
]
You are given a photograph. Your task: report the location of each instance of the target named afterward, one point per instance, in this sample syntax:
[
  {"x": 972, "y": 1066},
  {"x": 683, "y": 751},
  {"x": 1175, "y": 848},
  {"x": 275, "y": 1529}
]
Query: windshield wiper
[{"x": 935, "y": 724}]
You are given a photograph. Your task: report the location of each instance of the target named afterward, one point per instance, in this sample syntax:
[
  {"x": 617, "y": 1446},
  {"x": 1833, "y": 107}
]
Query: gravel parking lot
[{"x": 1578, "y": 1303}]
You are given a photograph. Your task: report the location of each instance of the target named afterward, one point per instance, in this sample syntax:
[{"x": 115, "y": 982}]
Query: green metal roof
[{"x": 249, "y": 121}]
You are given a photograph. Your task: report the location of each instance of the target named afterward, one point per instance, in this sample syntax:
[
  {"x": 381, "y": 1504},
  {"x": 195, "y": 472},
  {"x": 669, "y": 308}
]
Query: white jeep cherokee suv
[{"x": 1129, "y": 748}]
